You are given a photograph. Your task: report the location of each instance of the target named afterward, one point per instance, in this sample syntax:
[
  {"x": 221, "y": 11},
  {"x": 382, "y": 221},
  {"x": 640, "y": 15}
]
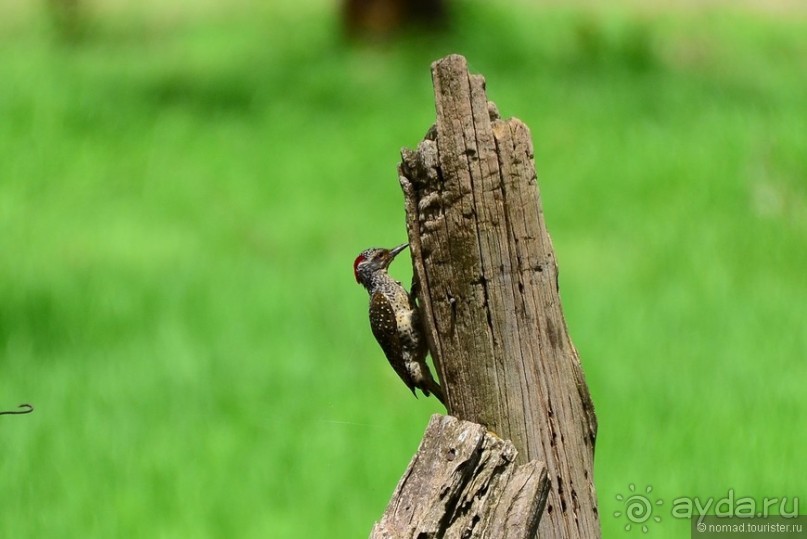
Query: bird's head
[{"x": 372, "y": 260}]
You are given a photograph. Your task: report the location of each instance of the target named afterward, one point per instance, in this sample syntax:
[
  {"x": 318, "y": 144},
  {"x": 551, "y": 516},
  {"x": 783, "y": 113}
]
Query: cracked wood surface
[
  {"x": 489, "y": 292},
  {"x": 464, "y": 482}
]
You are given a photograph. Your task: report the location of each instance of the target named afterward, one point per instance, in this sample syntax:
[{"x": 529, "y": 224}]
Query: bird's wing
[{"x": 385, "y": 329}]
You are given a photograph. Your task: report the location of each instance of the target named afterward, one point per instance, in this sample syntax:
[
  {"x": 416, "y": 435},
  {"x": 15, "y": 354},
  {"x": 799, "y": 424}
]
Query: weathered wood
[
  {"x": 489, "y": 293},
  {"x": 464, "y": 482}
]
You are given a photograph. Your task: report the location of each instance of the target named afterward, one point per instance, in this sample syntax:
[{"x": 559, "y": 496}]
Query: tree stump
[
  {"x": 464, "y": 482},
  {"x": 488, "y": 290}
]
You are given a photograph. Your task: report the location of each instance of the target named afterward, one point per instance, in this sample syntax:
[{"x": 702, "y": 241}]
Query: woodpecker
[{"x": 395, "y": 320}]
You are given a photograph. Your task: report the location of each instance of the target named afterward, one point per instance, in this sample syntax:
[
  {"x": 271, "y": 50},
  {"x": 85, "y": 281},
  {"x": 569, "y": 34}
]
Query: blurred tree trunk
[
  {"x": 381, "y": 18},
  {"x": 68, "y": 19}
]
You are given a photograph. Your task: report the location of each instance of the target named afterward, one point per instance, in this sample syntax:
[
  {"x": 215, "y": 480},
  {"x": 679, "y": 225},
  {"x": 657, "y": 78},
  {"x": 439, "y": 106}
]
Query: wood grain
[
  {"x": 464, "y": 482},
  {"x": 489, "y": 292}
]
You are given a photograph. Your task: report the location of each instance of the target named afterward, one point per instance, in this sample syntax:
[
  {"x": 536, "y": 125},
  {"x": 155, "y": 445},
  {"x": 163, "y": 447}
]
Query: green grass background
[{"x": 182, "y": 194}]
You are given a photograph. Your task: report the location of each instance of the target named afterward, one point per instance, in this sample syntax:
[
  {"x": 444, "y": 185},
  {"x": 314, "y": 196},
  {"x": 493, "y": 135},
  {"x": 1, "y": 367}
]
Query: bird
[{"x": 395, "y": 320}]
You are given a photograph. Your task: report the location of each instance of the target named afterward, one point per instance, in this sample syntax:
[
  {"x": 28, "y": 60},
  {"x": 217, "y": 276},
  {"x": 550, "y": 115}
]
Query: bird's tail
[{"x": 435, "y": 389}]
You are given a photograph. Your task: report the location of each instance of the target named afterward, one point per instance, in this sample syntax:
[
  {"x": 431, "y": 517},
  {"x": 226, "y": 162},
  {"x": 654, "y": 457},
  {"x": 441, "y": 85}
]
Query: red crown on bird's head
[{"x": 359, "y": 259}]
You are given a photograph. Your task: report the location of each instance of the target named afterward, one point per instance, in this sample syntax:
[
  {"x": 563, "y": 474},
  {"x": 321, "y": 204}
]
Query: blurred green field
[{"x": 183, "y": 192}]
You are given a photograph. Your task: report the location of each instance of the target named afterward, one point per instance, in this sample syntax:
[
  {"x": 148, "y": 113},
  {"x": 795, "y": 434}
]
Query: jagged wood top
[{"x": 464, "y": 482}]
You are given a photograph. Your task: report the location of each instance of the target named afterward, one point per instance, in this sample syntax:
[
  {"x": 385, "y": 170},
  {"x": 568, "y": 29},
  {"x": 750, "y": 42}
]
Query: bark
[
  {"x": 489, "y": 293},
  {"x": 464, "y": 482}
]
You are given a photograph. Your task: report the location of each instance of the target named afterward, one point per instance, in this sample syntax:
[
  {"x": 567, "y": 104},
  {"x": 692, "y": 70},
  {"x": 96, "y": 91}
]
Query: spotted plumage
[{"x": 395, "y": 320}]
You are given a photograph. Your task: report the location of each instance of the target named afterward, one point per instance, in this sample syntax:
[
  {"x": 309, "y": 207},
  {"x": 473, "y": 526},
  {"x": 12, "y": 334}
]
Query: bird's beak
[{"x": 394, "y": 251}]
